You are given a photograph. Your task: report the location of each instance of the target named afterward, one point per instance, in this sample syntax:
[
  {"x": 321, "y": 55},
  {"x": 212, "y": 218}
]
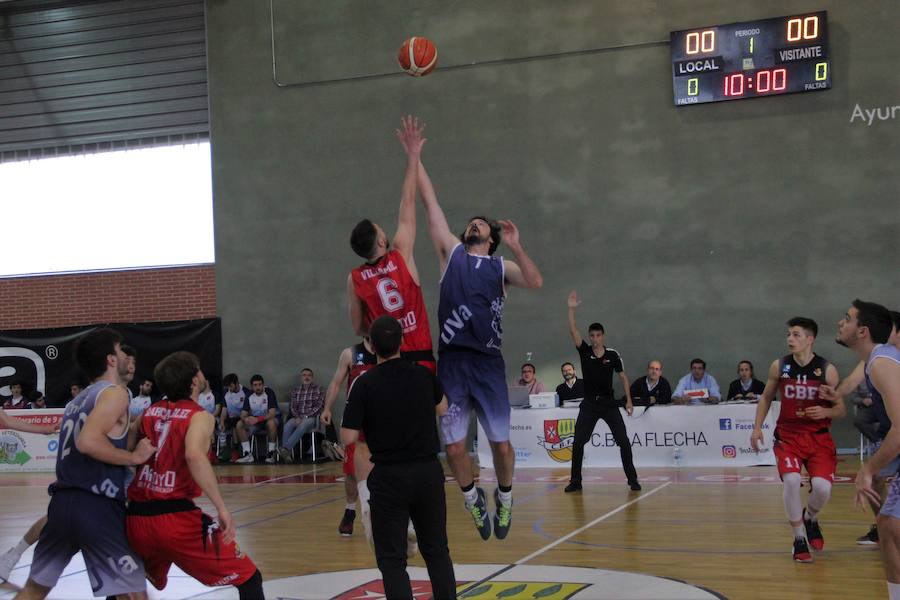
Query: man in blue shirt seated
[{"x": 697, "y": 387}]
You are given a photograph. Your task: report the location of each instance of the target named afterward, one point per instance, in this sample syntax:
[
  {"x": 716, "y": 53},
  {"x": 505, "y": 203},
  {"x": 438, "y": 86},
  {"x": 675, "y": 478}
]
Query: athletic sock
[
  {"x": 812, "y": 515},
  {"x": 363, "y": 490},
  {"x": 894, "y": 590},
  {"x": 271, "y": 446},
  {"x": 351, "y": 506},
  {"x": 245, "y": 446},
  {"x": 799, "y": 531},
  {"x": 471, "y": 495},
  {"x": 505, "y": 494},
  {"x": 21, "y": 547}
]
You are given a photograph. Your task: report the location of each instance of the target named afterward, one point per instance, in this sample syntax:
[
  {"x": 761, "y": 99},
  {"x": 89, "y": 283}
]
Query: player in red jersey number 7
[{"x": 802, "y": 437}]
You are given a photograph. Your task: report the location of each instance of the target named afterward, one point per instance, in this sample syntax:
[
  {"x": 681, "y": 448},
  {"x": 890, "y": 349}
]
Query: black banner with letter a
[{"x": 43, "y": 359}]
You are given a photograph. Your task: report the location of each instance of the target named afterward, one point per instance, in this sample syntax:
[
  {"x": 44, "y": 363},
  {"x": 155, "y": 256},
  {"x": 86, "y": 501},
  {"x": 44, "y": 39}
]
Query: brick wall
[{"x": 170, "y": 294}]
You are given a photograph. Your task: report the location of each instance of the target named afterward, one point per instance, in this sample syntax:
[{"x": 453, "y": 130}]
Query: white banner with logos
[
  {"x": 690, "y": 436},
  {"x": 20, "y": 451}
]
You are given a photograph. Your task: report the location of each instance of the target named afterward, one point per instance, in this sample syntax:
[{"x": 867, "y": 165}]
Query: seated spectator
[
  {"x": 231, "y": 404},
  {"x": 571, "y": 388},
  {"x": 746, "y": 386},
  {"x": 207, "y": 399},
  {"x": 865, "y": 419},
  {"x": 259, "y": 413},
  {"x": 17, "y": 401},
  {"x": 36, "y": 400},
  {"x": 307, "y": 402},
  {"x": 652, "y": 389},
  {"x": 529, "y": 380},
  {"x": 142, "y": 401},
  {"x": 697, "y": 387}
]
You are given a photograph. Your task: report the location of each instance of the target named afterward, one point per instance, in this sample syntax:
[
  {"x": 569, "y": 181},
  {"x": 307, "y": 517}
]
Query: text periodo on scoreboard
[{"x": 775, "y": 56}]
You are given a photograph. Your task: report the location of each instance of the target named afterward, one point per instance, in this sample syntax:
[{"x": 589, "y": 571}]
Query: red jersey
[
  {"x": 387, "y": 288},
  {"x": 166, "y": 475},
  {"x": 363, "y": 360},
  {"x": 798, "y": 389}
]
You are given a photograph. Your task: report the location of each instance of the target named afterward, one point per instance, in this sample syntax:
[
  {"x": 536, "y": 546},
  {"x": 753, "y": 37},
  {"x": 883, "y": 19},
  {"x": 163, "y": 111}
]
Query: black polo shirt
[
  {"x": 640, "y": 394},
  {"x": 570, "y": 393},
  {"x": 598, "y": 372},
  {"x": 393, "y": 404}
]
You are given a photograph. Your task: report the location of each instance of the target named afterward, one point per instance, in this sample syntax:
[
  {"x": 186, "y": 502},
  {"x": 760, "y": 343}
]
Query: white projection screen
[{"x": 148, "y": 207}]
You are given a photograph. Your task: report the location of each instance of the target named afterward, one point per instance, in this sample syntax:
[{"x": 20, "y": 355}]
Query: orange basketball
[{"x": 418, "y": 56}]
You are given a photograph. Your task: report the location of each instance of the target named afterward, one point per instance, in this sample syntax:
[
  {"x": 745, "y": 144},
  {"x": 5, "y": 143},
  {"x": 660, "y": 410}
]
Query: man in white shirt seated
[
  {"x": 697, "y": 387},
  {"x": 142, "y": 401}
]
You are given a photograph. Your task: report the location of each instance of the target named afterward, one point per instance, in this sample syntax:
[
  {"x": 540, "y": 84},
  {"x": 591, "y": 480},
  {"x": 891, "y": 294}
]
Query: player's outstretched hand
[
  {"x": 410, "y": 135},
  {"x": 226, "y": 526},
  {"x": 629, "y": 408},
  {"x": 756, "y": 440},
  {"x": 864, "y": 490},
  {"x": 509, "y": 233},
  {"x": 143, "y": 451},
  {"x": 574, "y": 302},
  {"x": 326, "y": 416}
]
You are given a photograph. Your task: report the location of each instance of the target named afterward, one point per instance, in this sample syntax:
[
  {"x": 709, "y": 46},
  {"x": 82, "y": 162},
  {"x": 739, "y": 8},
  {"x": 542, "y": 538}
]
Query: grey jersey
[{"x": 77, "y": 470}]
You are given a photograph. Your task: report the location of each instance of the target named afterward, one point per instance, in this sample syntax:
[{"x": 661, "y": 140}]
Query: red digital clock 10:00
[{"x": 748, "y": 59}]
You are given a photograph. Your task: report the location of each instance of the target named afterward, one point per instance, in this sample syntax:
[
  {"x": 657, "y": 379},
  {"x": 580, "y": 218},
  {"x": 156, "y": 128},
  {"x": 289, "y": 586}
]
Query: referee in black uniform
[
  {"x": 394, "y": 404},
  {"x": 597, "y": 365}
]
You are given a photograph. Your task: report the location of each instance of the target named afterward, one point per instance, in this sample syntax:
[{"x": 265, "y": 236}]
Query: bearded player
[
  {"x": 866, "y": 329},
  {"x": 164, "y": 525},
  {"x": 802, "y": 436}
]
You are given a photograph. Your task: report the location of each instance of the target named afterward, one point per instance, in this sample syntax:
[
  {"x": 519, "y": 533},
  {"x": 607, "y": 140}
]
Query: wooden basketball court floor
[{"x": 720, "y": 531}]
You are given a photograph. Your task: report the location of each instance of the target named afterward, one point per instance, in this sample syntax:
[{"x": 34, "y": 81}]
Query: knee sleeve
[
  {"x": 821, "y": 492},
  {"x": 793, "y": 506}
]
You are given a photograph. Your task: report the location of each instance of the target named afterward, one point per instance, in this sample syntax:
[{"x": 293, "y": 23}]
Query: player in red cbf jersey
[
  {"x": 802, "y": 438},
  {"x": 388, "y": 282},
  {"x": 164, "y": 525},
  {"x": 353, "y": 362}
]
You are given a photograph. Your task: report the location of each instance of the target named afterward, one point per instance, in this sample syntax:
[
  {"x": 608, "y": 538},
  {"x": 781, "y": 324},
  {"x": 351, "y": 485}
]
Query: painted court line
[{"x": 568, "y": 536}]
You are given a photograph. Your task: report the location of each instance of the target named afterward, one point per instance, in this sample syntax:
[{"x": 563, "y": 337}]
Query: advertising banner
[
  {"x": 43, "y": 359},
  {"x": 693, "y": 436},
  {"x": 21, "y": 451}
]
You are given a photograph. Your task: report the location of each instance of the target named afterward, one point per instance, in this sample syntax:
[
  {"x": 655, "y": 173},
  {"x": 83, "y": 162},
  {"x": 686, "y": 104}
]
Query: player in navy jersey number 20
[{"x": 87, "y": 500}]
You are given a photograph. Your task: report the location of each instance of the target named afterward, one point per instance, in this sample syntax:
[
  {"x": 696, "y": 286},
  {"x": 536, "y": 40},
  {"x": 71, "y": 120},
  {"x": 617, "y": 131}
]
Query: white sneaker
[
  {"x": 412, "y": 541},
  {"x": 7, "y": 562},
  {"x": 246, "y": 458},
  {"x": 270, "y": 458}
]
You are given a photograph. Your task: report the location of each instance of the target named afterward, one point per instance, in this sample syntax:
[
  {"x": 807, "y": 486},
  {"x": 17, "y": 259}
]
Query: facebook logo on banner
[{"x": 725, "y": 424}]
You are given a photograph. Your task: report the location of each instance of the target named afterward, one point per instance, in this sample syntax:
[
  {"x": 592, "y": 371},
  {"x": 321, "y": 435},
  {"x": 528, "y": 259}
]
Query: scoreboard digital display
[{"x": 776, "y": 56}]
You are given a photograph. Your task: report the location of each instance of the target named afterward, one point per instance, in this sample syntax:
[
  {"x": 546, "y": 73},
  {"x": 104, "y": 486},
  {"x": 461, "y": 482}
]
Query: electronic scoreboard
[{"x": 751, "y": 59}]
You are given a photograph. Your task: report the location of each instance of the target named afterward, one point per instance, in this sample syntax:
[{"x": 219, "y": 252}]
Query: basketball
[{"x": 418, "y": 56}]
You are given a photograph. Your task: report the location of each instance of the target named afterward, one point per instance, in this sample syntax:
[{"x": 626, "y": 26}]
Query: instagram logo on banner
[{"x": 729, "y": 451}]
